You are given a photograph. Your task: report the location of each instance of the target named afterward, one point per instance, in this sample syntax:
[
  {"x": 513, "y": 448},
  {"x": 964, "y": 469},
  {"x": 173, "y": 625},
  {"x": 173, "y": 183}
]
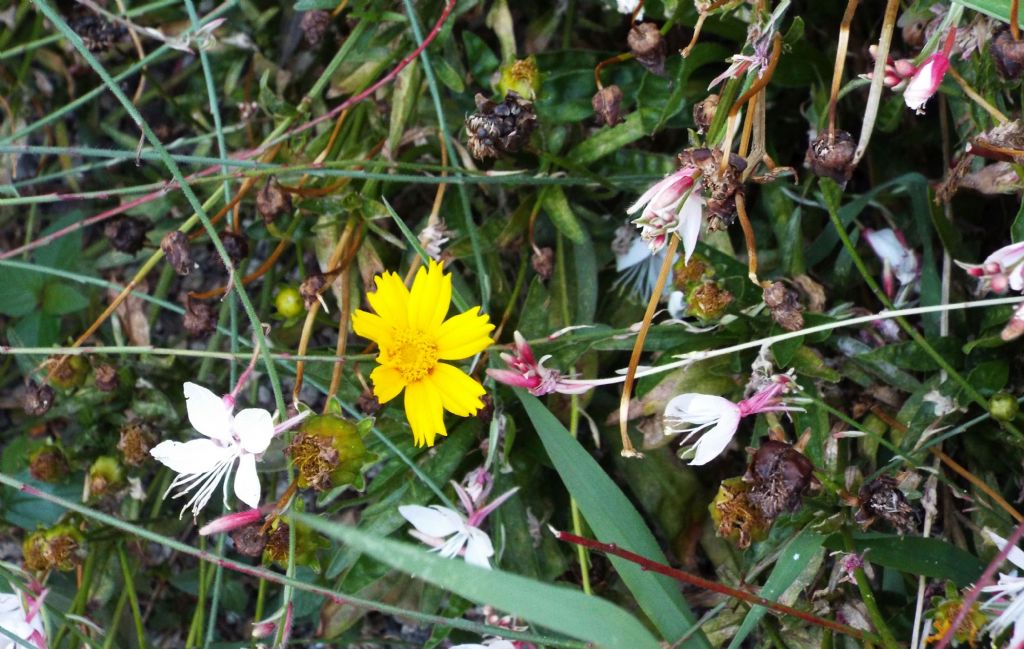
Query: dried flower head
[
  {"x": 784, "y": 305},
  {"x": 96, "y": 32},
  {"x": 736, "y": 518},
  {"x": 37, "y": 399},
  {"x": 314, "y": 26},
  {"x": 105, "y": 475},
  {"x": 704, "y": 112},
  {"x": 135, "y": 441},
  {"x": 311, "y": 288},
  {"x": 200, "y": 319},
  {"x": 521, "y": 77},
  {"x": 67, "y": 372},
  {"x": 543, "y": 262},
  {"x": 58, "y": 548},
  {"x": 126, "y": 234},
  {"x": 778, "y": 475},
  {"x": 249, "y": 540},
  {"x": 831, "y": 155},
  {"x": 882, "y": 498},
  {"x": 236, "y": 245},
  {"x": 708, "y": 301},
  {"x": 272, "y": 201},
  {"x": 500, "y": 127},
  {"x": 648, "y": 47},
  {"x": 105, "y": 375},
  {"x": 48, "y": 463},
  {"x": 607, "y": 104}
]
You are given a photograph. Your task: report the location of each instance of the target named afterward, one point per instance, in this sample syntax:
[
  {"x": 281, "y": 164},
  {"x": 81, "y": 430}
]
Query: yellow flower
[{"x": 410, "y": 329}]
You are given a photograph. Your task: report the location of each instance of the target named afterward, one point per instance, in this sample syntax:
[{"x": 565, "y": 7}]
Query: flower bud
[
  {"x": 177, "y": 249},
  {"x": 1015, "y": 326},
  {"x": 607, "y": 103},
  {"x": 58, "y": 548},
  {"x": 289, "y": 302},
  {"x": 832, "y": 157},
  {"x": 1003, "y": 407},
  {"x": 272, "y": 201},
  {"x": 37, "y": 399},
  {"x": 520, "y": 77},
  {"x": 48, "y": 464},
  {"x": 105, "y": 475},
  {"x": 543, "y": 262},
  {"x": 648, "y": 47},
  {"x": 126, "y": 234}
]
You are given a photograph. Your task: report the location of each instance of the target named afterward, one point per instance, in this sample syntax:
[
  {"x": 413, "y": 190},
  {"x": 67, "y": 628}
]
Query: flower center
[{"x": 413, "y": 354}]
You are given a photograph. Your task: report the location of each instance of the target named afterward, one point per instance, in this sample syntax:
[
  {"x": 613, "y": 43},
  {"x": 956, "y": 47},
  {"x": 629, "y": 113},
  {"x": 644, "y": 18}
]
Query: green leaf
[
  {"x": 999, "y": 9},
  {"x": 60, "y": 299},
  {"x": 557, "y": 207},
  {"x": 614, "y": 520},
  {"x": 608, "y": 140},
  {"x": 19, "y": 291},
  {"x": 313, "y": 5},
  {"x": 555, "y": 607},
  {"x": 793, "y": 561},
  {"x": 916, "y": 555}
]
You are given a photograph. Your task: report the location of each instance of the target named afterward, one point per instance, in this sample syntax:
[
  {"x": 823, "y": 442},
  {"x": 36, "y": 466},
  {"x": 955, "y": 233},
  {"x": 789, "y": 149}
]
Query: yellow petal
[
  {"x": 430, "y": 297},
  {"x": 371, "y": 326},
  {"x": 391, "y": 299},
  {"x": 387, "y": 383},
  {"x": 460, "y": 393},
  {"x": 424, "y": 411},
  {"x": 464, "y": 335}
]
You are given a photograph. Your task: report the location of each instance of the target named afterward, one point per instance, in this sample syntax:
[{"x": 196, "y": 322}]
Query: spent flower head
[
  {"x": 414, "y": 337},
  {"x": 671, "y": 205},
  {"x": 525, "y": 371}
]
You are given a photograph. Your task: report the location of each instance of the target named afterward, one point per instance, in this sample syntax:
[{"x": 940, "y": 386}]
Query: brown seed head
[
  {"x": 311, "y": 288},
  {"x": 607, "y": 103},
  {"x": 272, "y": 201},
  {"x": 543, "y": 261},
  {"x": 497, "y": 128},
  {"x": 236, "y": 245},
  {"x": 178, "y": 252},
  {"x": 784, "y": 305},
  {"x": 704, "y": 112},
  {"x": 648, "y": 47},
  {"x": 200, "y": 319},
  {"x": 106, "y": 377},
  {"x": 832, "y": 157},
  {"x": 250, "y": 541},
  {"x": 314, "y": 26},
  {"x": 136, "y": 440},
  {"x": 96, "y": 32},
  {"x": 778, "y": 475},
  {"x": 37, "y": 399},
  {"x": 881, "y": 498},
  {"x": 48, "y": 464},
  {"x": 1008, "y": 54},
  {"x": 126, "y": 234},
  {"x": 708, "y": 301},
  {"x": 315, "y": 458}
]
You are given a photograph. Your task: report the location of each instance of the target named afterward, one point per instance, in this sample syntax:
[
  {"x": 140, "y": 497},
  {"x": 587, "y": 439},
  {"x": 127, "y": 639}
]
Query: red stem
[
  {"x": 983, "y": 581},
  {"x": 706, "y": 584}
]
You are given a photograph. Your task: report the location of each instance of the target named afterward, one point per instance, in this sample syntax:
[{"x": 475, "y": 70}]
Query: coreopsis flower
[
  {"x": 1001, "y": 270},
  {"x": 201, "y": 464},
  {"x": 928, "y": 76},
  {"x": 453, "y": 534},
  {"x": 898, "y": 261},
  {"x": 410, "y": 329},
  {"x": 715, "y": 419},
  {"x": 19, "y": 616},
  {"x": 672, "y": 205},
  {"x": 1007, "y": 596},
  {"x": 525, "y": 371}
]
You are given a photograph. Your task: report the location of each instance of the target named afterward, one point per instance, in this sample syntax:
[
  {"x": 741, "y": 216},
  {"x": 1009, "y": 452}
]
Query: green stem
[
  {"x": 129, "y": 589},
  {"x": 868, "y": 597}
]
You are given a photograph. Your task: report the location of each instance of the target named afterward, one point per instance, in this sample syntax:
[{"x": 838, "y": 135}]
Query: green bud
[
  {"x": 105, "y": 475},
  {"x": 520, "y": 77},
  {"x": 1003, "y": 407}
]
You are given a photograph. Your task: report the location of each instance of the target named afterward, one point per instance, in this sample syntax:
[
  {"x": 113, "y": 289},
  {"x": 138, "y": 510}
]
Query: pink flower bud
[{"x": 231, "y": 522}]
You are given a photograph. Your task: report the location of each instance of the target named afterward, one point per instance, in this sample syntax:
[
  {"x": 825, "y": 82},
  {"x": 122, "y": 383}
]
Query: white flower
[
  {"x": 201, "y": 464},
  {"x": 897, "y": 259},
  {"x": 1007, "y": 596},
  {"x": 628, "y": 7},
  {"x": 450, "y": 533},
  {"x": 22, "y": 621},
  {"x": 638, "y": 268},
  {"x": 453, "y": 534},
  {"x": 671, "y": 205},
  {"x": 706, "y": 412},
  {"x": 489, "y": 643}
]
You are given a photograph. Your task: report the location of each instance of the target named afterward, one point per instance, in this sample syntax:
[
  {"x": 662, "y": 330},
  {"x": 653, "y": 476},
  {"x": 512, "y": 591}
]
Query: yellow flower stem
[
  {"x": 978, "y": 99},
  {"x": 638, "y": 347}
]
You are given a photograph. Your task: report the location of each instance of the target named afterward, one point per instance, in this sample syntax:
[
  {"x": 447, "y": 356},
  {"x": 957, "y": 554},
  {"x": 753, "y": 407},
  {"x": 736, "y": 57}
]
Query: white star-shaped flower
[
  {"x": 24, "y": 621},
  {"x": 201, "y": 464},
  {"x": 449, "y": 532}
]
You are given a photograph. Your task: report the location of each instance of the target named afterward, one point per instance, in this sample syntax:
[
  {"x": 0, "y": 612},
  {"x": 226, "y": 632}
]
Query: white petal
[
  {"x": 712, "y": 443},
  {"x": 653, "y": 191},
  {"x": 697, "y": 408},
  {"x": 1016, "y": 555},
  {"x": 196, "y": 456},
  {"x": 1017, "y": 277},
  {"x": 690, "y": 221},
  {"x": 207, "y": 412},
  {"x": 676, "y": 305},
  {"x": 247, "y": 483},
  {"x": 638, "y": 252},
  {"x": 255, "y": 429},
  {"x": 433, "y": 521},
  {"x": 479, "y": 548}
]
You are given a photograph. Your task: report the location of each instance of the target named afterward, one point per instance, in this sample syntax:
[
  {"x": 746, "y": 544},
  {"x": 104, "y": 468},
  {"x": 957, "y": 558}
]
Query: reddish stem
[{"x": 706, "y": 584}]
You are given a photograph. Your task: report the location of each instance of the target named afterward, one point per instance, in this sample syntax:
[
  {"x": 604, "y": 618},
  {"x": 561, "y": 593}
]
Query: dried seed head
[
  {"x": 96, "y": 32},
  {"x": 314, "y": 26},
  {"x": 276, "y": 547},
  {"x": 68, "y": 372},
  {"x": 881, "y": 498},
  {"x": 126, "y": 234},
  {"x": 199, "y": 319},
  {"x": 497, "y": 128},
  {"x": 314, "y": 457},
  {"x": 778, "y": 475},
  {"x": 236, "y": 245},
  {"x": 708, "y": 301},
  {"x": 48, "y": 464},
  {"x": 704, "y": 112},
  {"x": 832, "y": 157},
  {"x": 178, "y": 251},
  {"x": 607, "y": 103},
  {"x": 735, "y": 516},
  {"x": 367, "y": 403},
  {"x": 249, "y": 540},
  {"x": 58, "y": 548},
  {"x": 272, "y": 201},
  {"x": 136, "y": 440},
  {"x": 106, "y": 377},
  {"x": 784, "y": 305},
  {"x": 720, "y": 186},
  {"x": 37, "y": 399},
  {"x": 686, "y": 273},
  {"x": 543, "y": 262},
  {"x": 328, "y": 452},
  {"x": 1008, "y": 54},
  {"x": 648, "y": 47},
  {"x": 311, "y": 287},
  {"x": 105, "y": 475}
]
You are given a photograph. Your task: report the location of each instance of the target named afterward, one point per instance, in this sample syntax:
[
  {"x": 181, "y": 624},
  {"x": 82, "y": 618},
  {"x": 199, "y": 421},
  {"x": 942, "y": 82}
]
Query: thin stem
[
  {"x": 868, "y": 597},
  {"x": 978, "y": 99},
  {"x": 133, "y": 599},
  {"x": 837, "y": 70},
  {"x": 877, "y": 79},
  {"x": 706, "y": 584},
  {"x": 1014, "y": 25},
  {"x": 638, "y": 347}
]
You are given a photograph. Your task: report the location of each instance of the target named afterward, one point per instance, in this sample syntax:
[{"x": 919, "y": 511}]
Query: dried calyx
[
  {"x": 784, "y": 305},
  {"x": 778, "y": 475},
  {"x": 882, "y": 499},
  {"x": 831, "y": 155},
  {"x": 607, "y": 104},
  {"x": 720, "y": 184},
  {"x": 648, "y": 47}
]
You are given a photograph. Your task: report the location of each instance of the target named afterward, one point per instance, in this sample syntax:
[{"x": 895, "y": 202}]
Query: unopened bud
[
  {"x": 105, "y": 475},
  {"x": 1003, "y": 407},
  {"x": 1015, "y": 327},
  {"x": 543, "y": 261},
  {"x": 178, "y": 252}
]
